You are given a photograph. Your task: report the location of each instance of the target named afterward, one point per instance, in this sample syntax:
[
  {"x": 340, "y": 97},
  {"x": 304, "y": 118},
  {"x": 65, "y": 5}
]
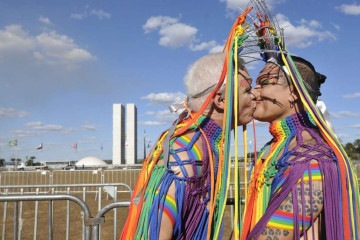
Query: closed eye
[
  {"x": 265, "y": 82},
  {"x": 248, "y": 89}
]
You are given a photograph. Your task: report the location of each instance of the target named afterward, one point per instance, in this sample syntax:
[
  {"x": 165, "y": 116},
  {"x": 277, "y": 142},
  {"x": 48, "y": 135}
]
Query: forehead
[
  {"x": 270, "y": 68},
  {"x": 243, "y": 73},
  {"x": 244, "y": 77}
]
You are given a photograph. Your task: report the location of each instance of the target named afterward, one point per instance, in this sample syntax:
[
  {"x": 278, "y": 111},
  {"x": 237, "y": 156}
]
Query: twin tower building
[{"x": 124, "y": 134}]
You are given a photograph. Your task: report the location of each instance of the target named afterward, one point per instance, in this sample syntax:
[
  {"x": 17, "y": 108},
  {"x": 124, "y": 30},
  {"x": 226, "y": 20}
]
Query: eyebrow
[
  {"x": 246, "y": 78},
  {"x": 266, "y": 75}
]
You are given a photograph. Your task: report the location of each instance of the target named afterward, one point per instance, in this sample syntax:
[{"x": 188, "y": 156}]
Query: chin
[
  {"x": 245, "y": 120},
  {"x": 260, "y": 118}
]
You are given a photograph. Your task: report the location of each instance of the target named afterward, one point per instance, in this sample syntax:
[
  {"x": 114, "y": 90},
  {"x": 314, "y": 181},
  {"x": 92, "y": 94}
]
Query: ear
[{"x": 219, "y": 102}]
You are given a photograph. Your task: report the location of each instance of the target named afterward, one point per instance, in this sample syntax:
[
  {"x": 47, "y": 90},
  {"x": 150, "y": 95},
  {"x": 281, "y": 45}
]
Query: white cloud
[
  {"x": 24, "y": 133},
  {"x": 89, "y": 127},
  {"x": 164, "y": 99},
  {"x": 14, "y": 39},
  {"x": 175, "y": 34},
  {"x": 204, "y": 45},
  {"x": 216, "y": 49},
  {"x": 11, "y": 112},
  {"x": 342, "y": 114},
  {"x": 100, "y": 14},
  {"x": 45, "y": 20},
  {"x": 349, "y": 9},
  {"x": 305, "y": 33},
  {"x": 78, "y": 16},
  {"x": 240, "y": 5},
  {"x": 353, "y": 95},
  {"x": 154, "y": 23},
  {"x": 55, "y": 47},
  {"x": 47, "y": 47},
  {"x": 38, "y": 125},
  {"x": 36, "y": 68},
  {"x": 235, "y": 5},
  {"x": 152, "y": 123},
  {"x": 160, "y": 117},
  {"x": 356, "y": 125}
]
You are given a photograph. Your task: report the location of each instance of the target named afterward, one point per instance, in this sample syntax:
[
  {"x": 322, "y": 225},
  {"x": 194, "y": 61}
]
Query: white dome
[{"x": 90, "y": 162}]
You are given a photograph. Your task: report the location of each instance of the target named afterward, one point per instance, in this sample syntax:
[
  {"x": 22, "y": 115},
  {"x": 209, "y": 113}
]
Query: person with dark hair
[{"x": 296, "y": 188}]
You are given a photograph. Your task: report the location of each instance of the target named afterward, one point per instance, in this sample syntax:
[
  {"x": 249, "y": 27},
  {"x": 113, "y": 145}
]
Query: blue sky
[{"x": 64, "y": 63}]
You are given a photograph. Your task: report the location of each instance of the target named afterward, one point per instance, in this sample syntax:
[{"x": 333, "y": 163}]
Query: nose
[
  {"x": 254, "y": 94},
  {"x": 257, "y": 87}
]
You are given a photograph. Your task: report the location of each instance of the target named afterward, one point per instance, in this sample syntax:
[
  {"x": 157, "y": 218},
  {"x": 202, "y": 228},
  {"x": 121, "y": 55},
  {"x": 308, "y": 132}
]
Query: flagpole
[{"x": 16, "y": 157}]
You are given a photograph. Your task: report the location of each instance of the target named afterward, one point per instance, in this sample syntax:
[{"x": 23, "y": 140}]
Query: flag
[
  {"x": 13, "y": 143},
  {"x": 149, "y": 144},
  {"x": 74, "y": 145},
  {"x": 40, "y": 146}
]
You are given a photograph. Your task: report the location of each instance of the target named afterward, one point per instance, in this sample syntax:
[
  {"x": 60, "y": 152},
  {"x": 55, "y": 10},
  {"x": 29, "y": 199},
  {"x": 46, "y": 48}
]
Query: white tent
[{"x": 90, "y": 161}]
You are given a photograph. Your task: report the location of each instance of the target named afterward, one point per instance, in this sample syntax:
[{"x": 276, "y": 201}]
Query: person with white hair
[{"x": 174, "y": 196}]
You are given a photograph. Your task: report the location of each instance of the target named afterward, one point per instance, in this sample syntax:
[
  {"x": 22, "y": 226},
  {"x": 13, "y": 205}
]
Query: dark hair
[{"x": 311, "y": 79}]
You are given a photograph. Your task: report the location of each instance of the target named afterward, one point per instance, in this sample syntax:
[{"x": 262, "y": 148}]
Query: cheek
[{"x": 244, "y": 101}]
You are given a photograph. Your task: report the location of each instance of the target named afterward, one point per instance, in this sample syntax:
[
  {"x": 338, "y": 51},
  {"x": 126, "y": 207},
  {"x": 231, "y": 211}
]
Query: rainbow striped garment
[
  {"x": 281, "y": 172},
  {"x": 188, "y": 173}
]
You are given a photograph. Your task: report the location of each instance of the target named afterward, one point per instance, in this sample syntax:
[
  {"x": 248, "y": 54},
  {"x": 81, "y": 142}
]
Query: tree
[
  {"x": 37, "y": 164},
  {"x": 353, "y": 149},
  {"x": 2, "y": 161},
  {"x": 15, "y": 160},
  {"x": 357, "y": 145},
  {"x": 30, "y": 161}
]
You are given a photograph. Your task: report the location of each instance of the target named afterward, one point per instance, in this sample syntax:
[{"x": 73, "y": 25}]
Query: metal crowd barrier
[
  {"x": 92, "y": 226},
  {"x": 56, "y": 192}
]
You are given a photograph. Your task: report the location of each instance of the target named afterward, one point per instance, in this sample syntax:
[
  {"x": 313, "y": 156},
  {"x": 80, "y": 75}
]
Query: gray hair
[{"x": 202, "y": 76}]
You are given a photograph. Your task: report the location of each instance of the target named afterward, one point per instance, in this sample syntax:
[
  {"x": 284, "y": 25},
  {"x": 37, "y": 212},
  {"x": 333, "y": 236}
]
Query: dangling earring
[
  {"x": 292, "y": 99},
  {"x": 291, "y": 104}
]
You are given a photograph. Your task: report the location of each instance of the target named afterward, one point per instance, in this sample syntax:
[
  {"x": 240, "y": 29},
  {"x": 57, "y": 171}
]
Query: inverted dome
[{"x": 90, "y": 161}]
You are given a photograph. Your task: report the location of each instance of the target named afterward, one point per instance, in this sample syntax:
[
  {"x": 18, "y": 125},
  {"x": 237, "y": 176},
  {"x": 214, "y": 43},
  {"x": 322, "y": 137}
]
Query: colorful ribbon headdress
[
  {"x": 238, "y": 44},
  {"x": 273, "y": 47}
]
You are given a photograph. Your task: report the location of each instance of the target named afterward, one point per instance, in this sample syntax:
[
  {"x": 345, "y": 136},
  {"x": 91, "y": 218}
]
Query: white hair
[{"x": 202, "y": 76}]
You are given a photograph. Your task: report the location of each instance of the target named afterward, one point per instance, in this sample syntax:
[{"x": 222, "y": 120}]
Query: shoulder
[{"x": 186, "y": 141}]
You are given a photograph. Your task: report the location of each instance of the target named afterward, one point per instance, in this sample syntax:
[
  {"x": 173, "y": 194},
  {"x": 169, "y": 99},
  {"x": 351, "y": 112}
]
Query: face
[
  {"x": 273, "y": 95},
  {"x": 246, "y": 100}
]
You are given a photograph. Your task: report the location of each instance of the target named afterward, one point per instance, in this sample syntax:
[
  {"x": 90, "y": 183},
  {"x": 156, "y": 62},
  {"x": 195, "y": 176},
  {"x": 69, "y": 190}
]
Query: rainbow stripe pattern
[
  {"x": 313, "y": 171},
  {"x": 169, "y": 207},
  {"x": 339, "y": 181},
  {"x": 197, "y": 217},
  {"x": 285, "y": 221}
]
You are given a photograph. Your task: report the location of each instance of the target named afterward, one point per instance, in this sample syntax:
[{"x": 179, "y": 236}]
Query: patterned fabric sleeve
[
  {"x": 286, "y": 218},
  {"x": 283, "y": 217}
]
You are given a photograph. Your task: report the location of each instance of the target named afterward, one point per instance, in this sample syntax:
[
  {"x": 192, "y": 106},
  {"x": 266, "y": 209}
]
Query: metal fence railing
[
  {"x": 92, "y": 224},
  {"x": 100, "y": 191},
  {"x": 58, "y": 177},
  {"x": 111, "y": 195}
]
